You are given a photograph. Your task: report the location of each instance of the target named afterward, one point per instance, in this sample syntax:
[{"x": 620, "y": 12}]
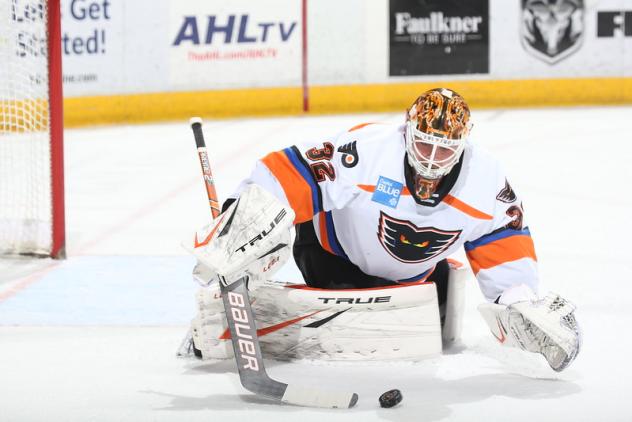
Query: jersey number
[
  {"x": 324, "y": 153},
  {"x": 322, "y": 169}
]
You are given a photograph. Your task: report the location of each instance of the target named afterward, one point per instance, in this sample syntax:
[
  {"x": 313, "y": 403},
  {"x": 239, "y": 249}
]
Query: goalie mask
[{"x": 437, "y": 126}]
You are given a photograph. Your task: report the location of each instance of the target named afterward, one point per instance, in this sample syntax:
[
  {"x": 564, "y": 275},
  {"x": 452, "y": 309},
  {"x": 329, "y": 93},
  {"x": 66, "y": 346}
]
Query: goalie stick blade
[
  {"x": 252, "y": 373},
  {"x": 302, "y": 396}
]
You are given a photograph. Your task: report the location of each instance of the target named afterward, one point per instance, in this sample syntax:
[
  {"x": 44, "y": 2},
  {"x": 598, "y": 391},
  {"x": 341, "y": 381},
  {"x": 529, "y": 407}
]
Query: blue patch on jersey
[{"x": 387, "y": 192}]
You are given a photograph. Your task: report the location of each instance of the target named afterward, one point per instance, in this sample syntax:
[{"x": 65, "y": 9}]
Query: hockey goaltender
[{"x": 378, "y": 210}]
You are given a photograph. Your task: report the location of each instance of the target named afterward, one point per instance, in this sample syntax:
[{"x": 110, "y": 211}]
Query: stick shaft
[
  {"x": 209, "y": 182},
  {"x": 250, "y": 366}
]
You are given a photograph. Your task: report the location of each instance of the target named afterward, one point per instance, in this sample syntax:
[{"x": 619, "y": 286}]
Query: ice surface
[{"x": 93, "y": 338}]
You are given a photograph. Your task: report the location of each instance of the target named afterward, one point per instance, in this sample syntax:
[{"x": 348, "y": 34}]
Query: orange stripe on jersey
[
  {"x": 360, "y": 126},
  {"x": 371, "y": 188},
  {"x": 501, "y": 251},
  {"x": 297, "y": 190},
  {"x": 463, "y": 207},
  {"x": 324, "y": 237}
]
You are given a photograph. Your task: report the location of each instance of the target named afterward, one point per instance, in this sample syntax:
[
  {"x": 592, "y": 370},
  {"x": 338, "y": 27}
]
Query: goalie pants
[{"x": 324, "y": 270}]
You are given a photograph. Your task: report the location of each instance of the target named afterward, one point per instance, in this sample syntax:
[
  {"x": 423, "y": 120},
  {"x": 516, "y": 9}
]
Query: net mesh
[{"x": 25, "y": 164}]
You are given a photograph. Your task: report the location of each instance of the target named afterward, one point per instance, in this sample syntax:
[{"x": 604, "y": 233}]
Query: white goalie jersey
[{"x": 354, "y": 189}]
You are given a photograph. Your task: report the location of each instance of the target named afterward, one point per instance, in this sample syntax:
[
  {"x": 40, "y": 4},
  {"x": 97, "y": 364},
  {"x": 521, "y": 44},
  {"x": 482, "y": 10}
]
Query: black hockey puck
[{"x": 390, "y": 398}]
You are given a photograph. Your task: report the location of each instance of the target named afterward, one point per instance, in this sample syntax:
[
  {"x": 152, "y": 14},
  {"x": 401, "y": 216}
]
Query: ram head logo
[{"x": 552, "y": 29}]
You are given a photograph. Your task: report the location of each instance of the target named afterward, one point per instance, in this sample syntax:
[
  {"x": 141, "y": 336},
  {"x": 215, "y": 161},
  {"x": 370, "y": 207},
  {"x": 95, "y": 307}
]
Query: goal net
[{"x": 31, "y": 146}]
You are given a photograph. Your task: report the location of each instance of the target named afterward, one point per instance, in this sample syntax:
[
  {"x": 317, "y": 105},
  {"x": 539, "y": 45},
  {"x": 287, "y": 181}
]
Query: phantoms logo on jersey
[{"x": 411, "y": 244}]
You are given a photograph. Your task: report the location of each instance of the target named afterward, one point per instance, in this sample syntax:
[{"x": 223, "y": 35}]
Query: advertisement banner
[
  {"x": 92, "y": 46},
  {"x": 23, "y": 55},
  {"x": 438, "y": 37},
  {"x": 613, "y": 23},
  {"x": 117, "y": 47},
  {"x": 236, "y": 44},
  {"x": 562, "y": 39}
]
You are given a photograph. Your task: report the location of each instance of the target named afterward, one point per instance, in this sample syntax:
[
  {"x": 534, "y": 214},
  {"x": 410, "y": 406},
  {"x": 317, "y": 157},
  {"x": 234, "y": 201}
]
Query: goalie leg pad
[
  {"x": 295, "y": 322},
  {"x": 455, "y": 303},
  {"x": 209, "y": 328},
  {"x": 394, "y": 323}
]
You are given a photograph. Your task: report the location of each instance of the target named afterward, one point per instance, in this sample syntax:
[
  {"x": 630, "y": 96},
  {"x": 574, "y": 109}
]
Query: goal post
[
  {"x": 32, "y": 217},
  {"x": 55, "y": 92}
]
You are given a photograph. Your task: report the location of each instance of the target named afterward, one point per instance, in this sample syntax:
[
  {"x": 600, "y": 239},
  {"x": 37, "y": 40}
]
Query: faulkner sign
[
  {"x": 615, "y": 23},
  {"x": 438, "y": 37}
]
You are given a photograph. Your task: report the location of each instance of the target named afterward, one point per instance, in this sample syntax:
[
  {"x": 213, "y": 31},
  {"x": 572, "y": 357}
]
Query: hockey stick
[{"x": 243, "y": 332}]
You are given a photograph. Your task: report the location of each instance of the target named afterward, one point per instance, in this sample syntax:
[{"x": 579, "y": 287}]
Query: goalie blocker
[{"x": 251, "y": 238}]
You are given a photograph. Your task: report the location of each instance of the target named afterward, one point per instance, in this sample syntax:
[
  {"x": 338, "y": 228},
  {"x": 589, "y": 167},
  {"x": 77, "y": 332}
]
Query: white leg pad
[
  {"x": 209, "y": 328},
  {"x": 455, "y": 303},
  {"x": 295, "y": 322}
]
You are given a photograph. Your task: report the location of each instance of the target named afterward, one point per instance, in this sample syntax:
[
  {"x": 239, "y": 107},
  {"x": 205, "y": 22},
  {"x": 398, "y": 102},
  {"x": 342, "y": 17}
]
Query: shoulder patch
[
  {"x": 350, "y": 156},
  {"x": 506, "y": 194}
]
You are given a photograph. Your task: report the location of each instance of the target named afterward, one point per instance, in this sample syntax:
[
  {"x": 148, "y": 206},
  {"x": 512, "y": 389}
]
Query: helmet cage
[{"x": 430, "y": 166}]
